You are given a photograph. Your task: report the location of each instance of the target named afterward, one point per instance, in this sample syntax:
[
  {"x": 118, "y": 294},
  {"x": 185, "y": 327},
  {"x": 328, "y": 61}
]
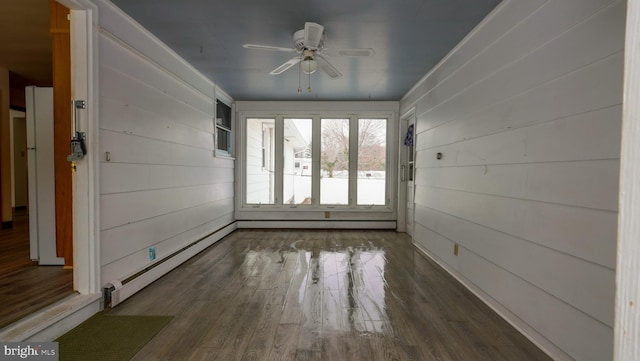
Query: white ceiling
[{"x": 409, "y": 38}]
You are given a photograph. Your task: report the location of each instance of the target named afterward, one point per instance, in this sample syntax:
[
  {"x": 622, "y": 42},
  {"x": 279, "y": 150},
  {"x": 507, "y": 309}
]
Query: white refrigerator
[{"x": 41, "y": 183}]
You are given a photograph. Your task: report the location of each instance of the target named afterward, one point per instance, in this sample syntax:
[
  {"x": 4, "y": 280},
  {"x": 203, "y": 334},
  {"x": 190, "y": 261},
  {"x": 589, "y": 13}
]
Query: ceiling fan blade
[
  {"x": 313, "y": 35},
  {"x": 267, "y": 47},
  {"x": 329, "y": 69},
  {"x": 356, "y": 52},
  {"x": 282, "y": 68}
]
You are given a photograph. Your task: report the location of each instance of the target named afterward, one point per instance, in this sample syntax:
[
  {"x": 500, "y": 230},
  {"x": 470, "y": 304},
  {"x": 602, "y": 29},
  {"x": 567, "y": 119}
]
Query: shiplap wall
[
  {"x": 162, "y": 186},
  {"x": 527, "y": 114}
]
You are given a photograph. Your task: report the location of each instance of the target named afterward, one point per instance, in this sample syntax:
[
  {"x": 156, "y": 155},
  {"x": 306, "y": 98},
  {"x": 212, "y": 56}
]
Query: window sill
[{"x": 222, "y": 154}]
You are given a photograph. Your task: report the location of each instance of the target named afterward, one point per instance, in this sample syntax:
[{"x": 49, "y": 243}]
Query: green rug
[{"x": 109, "y": 337}]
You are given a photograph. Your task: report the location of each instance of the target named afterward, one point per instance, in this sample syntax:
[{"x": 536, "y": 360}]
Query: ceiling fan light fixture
[
  {"x": 308, "y": 43},
  {"x": 309, "y": 65}
]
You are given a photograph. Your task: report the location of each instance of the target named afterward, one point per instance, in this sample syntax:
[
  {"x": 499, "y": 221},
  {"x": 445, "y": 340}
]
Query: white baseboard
[
  {"x": 124, "y": 291},
  {"x": 318, "y": 224},
  {"x": 529, "y": 332}
]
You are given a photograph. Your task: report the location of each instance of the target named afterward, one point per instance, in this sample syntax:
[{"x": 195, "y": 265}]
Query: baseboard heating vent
[
  {"x": 117, "y": 291},
  {"x": 318, "y": 224}
]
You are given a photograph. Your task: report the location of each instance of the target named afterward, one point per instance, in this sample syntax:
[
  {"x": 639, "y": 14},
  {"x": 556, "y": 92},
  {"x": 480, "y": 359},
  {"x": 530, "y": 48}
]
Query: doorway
[
  {"x": 26, "y": 287},
  {"x": 409, "y": 171},
  {"x": 19, "y": 182}
]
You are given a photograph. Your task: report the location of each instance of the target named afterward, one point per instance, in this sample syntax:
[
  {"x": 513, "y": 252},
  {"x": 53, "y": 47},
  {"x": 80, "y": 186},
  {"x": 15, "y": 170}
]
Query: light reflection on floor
[
  {"x": 320, "y": 295},
  {"x": 339, "y": 290}
]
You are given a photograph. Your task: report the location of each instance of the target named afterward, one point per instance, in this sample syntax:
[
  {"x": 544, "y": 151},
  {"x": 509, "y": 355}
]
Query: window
[
  {"x": 316, "y": 162},
  {"x": 260, "y": 161},
  {"x": 223, "y": 127},
  {"x": 334, "y": 161},
  {"x": 372, "y": 166},
  {"x": 297, "y": 153}
]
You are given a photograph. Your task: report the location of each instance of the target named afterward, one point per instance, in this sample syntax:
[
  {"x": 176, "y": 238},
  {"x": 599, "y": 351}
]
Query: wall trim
[
  {"x": 495, "y": 12},
  {"x": 116, "y": 23},
  {"x": 530, "y": 333},
  {"x": 119, "y": 290},
  {"x": 626, "y": 344},
  {"x": 318, "y": 224}
]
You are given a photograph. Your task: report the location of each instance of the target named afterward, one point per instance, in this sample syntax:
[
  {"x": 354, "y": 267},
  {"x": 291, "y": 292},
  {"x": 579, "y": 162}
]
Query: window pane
[
  {"x": 224, "y": 140},
  {"x": 223, "y": 115},
  {"x": 334, "y": 161},
  {"x": 223, "y": 127},
  {"x": 297, "y": 161},
  {"x": 260, "y": 161},
  {"x": 372, "y": 157}
]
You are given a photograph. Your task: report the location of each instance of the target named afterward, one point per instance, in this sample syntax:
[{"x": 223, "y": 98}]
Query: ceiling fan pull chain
[{"x": 309, "y": 88}]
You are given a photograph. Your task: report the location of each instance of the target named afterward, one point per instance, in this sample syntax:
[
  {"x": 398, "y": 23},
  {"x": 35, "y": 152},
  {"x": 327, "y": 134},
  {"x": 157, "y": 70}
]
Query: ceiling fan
[{"x": 308, "y": 43}]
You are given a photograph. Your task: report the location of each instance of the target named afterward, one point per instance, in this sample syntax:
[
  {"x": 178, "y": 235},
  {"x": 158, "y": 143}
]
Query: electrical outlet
[
  {"x": 455, "y": 249},
  {"x": 152, "y": 253},
  {"x": 327, "y": 214}
]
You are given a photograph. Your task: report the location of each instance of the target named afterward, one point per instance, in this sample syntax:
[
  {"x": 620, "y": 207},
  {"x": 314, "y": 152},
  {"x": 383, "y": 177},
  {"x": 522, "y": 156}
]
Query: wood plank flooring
[
  {"x": 26, "y": 287},
  {"x": 320, "y": 295},
  {"x": 14, "y": 244}
]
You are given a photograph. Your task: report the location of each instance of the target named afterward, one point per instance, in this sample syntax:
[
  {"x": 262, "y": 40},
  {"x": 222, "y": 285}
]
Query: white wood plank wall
[
  {"x": 162, "y": 186},
  {"x": 527, "y": 114}
]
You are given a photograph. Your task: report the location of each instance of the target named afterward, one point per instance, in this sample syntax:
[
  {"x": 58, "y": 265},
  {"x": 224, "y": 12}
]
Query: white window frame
[
  {"x": 268, "y": 147},
  {"x": 217, "y": 128},
  {"x": 268, "y": 162},
  {"x": 390, "y": 204},
  {"x": 356, "y": 134}
]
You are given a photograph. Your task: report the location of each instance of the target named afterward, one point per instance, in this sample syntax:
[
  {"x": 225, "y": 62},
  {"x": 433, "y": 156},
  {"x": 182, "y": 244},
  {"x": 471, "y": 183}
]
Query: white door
[{"x": 41, "y": 176}]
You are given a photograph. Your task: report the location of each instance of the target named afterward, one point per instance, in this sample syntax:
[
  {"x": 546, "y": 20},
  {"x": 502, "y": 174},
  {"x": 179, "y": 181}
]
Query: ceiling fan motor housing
[
  {"x": 298, "y": 41},
  {"x": 309, "y": 44}
]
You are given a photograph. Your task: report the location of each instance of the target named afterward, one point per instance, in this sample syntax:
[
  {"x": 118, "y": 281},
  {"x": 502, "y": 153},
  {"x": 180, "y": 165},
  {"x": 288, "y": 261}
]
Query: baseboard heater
[
  {"x": 317, "y": 224},
  {"x": 119, "y": 290}
]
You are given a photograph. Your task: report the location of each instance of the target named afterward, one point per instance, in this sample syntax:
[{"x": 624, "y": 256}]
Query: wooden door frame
[
  {"x": 84, "y": 75},
  {"x": 60, "y": 35}
]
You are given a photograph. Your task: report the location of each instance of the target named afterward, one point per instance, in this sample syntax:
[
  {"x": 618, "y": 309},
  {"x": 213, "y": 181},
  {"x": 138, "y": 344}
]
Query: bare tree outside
[
  {"x": 334, "y": 161},
  {"x": 371, "y": 161},
  {"x": 335, "y": 146},
  {"x": 372, "y": 150},
  {"x": 371, "y": 144},
  {"x": 338, "y": 186}
]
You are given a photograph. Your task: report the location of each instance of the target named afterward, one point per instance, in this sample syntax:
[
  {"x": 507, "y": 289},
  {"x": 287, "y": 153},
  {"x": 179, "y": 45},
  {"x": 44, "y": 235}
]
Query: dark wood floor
[
  {"x": 320, "y": 295},
  {"x": 26, "y": 287}
]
